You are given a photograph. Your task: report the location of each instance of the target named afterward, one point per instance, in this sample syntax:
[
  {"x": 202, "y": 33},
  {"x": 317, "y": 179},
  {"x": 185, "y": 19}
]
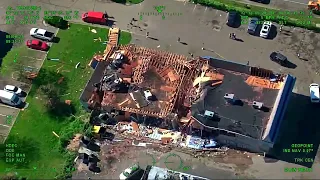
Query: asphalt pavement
[{"x": 8, "y": 114}]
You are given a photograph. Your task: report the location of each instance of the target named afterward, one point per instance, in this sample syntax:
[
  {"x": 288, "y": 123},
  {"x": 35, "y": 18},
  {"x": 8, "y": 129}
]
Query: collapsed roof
[{"x": 220, "y": 94}]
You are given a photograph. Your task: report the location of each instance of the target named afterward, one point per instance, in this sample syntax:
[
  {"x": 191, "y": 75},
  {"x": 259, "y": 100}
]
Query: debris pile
[
  {"x": 88, "y": 153},
  {"x": 74, "y": 144}
]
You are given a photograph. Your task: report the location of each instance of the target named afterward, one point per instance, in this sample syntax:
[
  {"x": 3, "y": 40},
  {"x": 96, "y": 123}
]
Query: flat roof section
[{"x": 241, "y": 118}]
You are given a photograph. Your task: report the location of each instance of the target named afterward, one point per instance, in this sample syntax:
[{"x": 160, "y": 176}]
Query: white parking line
[
  {"x": 206, "y": 9},
  {"x": 194, "y": 8},
  {"x": 4, "y": 125},
  {"x": 295, "y": 2},
  {"x": 2, "y": 105},
  {"x": 3, "y": 115}
]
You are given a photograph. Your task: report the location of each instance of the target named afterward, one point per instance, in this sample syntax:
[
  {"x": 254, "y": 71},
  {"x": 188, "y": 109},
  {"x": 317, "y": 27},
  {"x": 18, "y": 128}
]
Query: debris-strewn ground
[{"x": 117, "y": 156}]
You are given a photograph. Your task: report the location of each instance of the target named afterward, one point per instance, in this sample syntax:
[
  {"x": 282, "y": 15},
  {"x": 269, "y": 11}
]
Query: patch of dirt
[
  {"x": 74, "y": 144},
  {"x": 215, "y": 22},
  {"x": 241, "y": 160}
]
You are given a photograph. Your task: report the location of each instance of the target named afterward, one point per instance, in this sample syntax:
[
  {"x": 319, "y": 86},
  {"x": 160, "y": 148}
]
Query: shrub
[{"x": 56, "y": 21}]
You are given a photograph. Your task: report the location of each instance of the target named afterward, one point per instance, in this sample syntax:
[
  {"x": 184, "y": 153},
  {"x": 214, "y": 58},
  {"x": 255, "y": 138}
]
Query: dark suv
[
  {"x": 233, "y": 19},
  {"x": 279, "y": 58}
]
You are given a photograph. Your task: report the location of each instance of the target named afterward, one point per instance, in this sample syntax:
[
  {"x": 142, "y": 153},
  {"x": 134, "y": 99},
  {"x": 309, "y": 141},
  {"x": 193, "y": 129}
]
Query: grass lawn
[{"x": 33, "y": 127}]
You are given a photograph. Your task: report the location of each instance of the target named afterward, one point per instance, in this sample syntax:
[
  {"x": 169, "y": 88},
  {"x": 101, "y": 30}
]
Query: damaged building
[{"x": 241, "y": 106}]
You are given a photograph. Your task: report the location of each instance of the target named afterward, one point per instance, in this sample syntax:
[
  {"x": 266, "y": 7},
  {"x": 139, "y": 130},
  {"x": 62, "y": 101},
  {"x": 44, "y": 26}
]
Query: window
[{"x": 16, "y": 100}]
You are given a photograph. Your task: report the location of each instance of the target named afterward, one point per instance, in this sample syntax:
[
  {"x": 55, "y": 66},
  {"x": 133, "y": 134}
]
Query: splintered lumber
[
  {"x": 120, "y": 104},
  {"x": 216, "y": 83},
  {"x": 54, "y": 133},
  {"x": 113, "y": 41}
]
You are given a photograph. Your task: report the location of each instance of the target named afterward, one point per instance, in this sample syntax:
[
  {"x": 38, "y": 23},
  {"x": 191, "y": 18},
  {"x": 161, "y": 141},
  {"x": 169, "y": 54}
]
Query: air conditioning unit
[
  {"x": 209, "y": 114},
  {"x": 229, "y": 96},
  {"x": 257, "y": 105},
  {"x": 147, "y": 94}
]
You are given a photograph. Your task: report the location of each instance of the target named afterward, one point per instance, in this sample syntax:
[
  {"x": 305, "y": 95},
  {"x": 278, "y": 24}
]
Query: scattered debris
[
  {"x": 53, "y": 59},
  {"x": 54, "y": 133},
  {"x": 93, "y": 31},
  {"x": 60, "y": 80},
  {"x": 78, "y": 64},
  {"x": 58, "y": 69},
  {"x": 139, "y": 144},
  {"x": 67, "y": 102},
  {"x": 97, "y": 39},
  {"x": 32, "y": 75},
  {"x": 74, "y": 144},
  {"x": 66, "y": 94}
]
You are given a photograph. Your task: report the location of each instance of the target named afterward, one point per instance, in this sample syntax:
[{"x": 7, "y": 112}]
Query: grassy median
[
  {"x": 57, "y": 82},
  {"x": 305, "y": 19}
]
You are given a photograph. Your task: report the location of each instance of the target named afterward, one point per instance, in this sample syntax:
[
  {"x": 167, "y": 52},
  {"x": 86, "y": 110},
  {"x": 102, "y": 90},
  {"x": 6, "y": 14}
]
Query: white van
[
  {"x": 9, "y": 98},
  {"x": 314, "y": 93}
]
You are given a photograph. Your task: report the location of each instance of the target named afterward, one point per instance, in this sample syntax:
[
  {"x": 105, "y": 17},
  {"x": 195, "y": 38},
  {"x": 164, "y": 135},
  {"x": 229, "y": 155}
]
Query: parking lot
[
  {"x": 31, "y": 58},
  {"x": 200, "y": 26},
  {"x": 8, "y": 114}
]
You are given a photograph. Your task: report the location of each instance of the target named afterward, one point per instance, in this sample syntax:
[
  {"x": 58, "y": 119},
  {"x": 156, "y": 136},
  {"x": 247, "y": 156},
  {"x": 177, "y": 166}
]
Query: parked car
[
  {"x": 279, "y": 58},
  {"x": 41, "y": 34},
  {"x": 314, "y": 93},
  {"x": 233, "y": 18},
  {"x": 9, "y": 98},
  {"x": 13, "y": 89},
  {"x": 37, "y": 44},
  {"x": 95, "y": 17},
  {"x": 129, "y": 171},
  {"x": 56, "y": 21},
  {"x": 265, "y": 30},
  {"x": 252, "y": 26}
]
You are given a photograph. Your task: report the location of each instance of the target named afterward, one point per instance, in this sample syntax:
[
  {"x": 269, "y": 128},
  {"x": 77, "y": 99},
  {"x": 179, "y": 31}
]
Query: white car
[
  {"x": 129, "y": 171},
  {"x": 314, "y": 93},
  {"x": 265, "y": 30},
  {"x": 14, "y": 89},
  {"x": 41, "y": 34}
]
